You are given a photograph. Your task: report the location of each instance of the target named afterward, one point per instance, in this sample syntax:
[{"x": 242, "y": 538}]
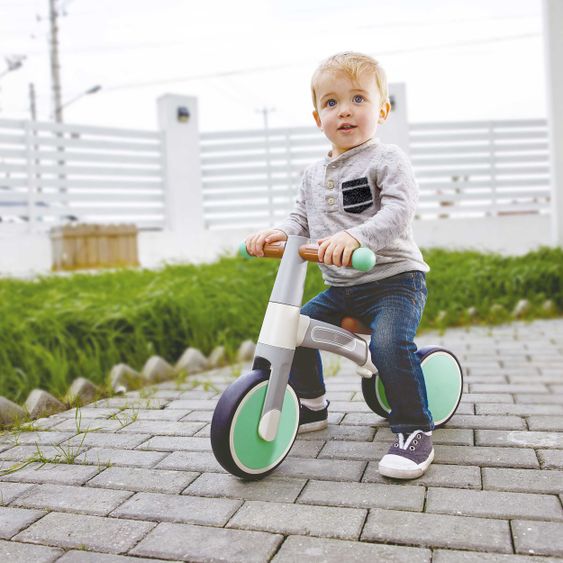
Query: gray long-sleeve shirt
[{"x": 370, "y": 192}]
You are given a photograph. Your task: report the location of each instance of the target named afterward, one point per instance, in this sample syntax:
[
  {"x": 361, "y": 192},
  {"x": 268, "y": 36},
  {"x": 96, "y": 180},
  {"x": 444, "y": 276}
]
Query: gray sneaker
[{"x": 408, "y": 457}]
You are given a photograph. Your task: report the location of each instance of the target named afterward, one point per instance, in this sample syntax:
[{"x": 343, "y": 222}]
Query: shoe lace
[{"x": 410, "y": 442}]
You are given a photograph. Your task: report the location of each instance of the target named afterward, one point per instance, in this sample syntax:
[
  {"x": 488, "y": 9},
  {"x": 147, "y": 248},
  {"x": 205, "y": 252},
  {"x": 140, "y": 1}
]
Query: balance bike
[{"x": 256, "y": 418}]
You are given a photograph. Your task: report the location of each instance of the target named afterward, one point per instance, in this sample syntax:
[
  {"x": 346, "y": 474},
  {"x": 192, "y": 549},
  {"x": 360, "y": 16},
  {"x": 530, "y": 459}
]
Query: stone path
[{"x": 143, "y": 484}]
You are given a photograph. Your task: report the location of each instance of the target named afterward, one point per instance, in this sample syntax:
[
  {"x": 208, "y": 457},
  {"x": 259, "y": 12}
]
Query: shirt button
[
  {"x": 330, "y": 184},
  {"x": 331, "y": 201}
]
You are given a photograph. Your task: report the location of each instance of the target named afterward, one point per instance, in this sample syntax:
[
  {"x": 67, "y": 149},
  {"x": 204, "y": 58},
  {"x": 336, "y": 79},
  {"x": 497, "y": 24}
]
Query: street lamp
[
  {"x": 13, "y": 62},
  {"x": 91, "y": 90}
]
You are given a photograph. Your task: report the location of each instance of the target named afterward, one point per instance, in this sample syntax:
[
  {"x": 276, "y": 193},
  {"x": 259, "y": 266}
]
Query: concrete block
[
  {"x": 523, "y": 480},
  {"x": 14, "y": 552},
  {"x": 246, "y": 351},
  {"x": 81, "y": 392},
  {"x": 157, "y": 369},
  {"x": 40, "y": 403},
  {"x": 123, "y": 377},
  {"x": 191, "y": 361},
  {"x": 10, "y": 413},
  {"x": 12, "y": 520},
  {"x": 217, "y": 357}
]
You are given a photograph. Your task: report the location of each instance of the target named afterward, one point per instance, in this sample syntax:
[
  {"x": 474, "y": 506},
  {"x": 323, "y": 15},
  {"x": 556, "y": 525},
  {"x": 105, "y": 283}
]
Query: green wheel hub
[{"x": 250, "y": 452}]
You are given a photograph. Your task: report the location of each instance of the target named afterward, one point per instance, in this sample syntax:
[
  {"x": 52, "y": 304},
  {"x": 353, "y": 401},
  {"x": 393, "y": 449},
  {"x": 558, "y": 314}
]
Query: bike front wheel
[{"x": 235, "y": 441}]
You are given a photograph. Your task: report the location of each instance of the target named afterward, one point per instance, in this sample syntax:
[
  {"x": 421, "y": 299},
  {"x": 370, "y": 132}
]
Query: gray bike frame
[{"x": 284, "y": 329}]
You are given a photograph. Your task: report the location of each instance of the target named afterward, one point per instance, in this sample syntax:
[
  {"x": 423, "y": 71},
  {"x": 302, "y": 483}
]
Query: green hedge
[{"x": 56, "y": 328}]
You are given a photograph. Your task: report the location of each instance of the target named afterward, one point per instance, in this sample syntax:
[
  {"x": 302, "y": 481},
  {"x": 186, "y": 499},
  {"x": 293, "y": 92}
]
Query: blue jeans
[{"x": 392, "y": 308}]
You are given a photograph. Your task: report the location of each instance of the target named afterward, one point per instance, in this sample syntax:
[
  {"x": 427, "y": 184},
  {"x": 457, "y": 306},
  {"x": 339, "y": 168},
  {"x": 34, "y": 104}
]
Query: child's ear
[
  {"x": 384, "y": 112},
  {"x": 317, "y": 119}
]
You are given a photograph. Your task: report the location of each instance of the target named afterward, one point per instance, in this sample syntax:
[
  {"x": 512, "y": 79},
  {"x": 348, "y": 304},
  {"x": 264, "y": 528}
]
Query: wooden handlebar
[{"x": 309, "y": 252}]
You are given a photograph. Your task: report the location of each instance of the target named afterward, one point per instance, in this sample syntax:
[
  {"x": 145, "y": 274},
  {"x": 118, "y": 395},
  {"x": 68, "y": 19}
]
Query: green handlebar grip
[
  {"x": 363, "y": 259},
  {"x": 242, "y": 250}
]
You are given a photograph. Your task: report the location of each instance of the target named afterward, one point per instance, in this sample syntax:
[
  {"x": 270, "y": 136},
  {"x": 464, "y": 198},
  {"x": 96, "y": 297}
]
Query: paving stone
[
  {"x": 437, "y": 530},
  {"x": 13, "y": 552},
  {"x": 88, "y": 412},
  {"x": 549, "y": 423},
  {"x": 172, "y": 444},
  {"x": 196, "y": 416},
  {"x": 509, "y": 388},
  {"x": 518, "y": 409},
  {"x": 306, "y": 448},
  {"x": 96, "y": 533},
  {"x": 300, "y": 548},
  {"x": 191, "y": 461},
  {"x": 487, "y": 456},
  {"x": 457, "y": 476},
  {"x": 493, "y": 504},
  {"x": 363, "y": 495},
  {"x": 94, "y": 557},
  {"x": 10, "y": 491},
  {"x": 341, "y": 432},
  {"x": 487, "y": 398},
  {"x": 523, "y": 480},
  {"x": 324, "y": 521},
  {"x": 63, "y": 498},
  {"x": 109, "y": 456},
  {"x": 146, "y": 480},
  {"x": 465, "y": 408},
  {"x": 134, "y": 403},
  {"x": 461, "y": 437},
  {"x": 91, "y": 425},
  {"x": 519, "y": 439},
  {"x": 349, "y": 406},
  {"x": 541, "y": 538},
  {"x": 107, "y": 440},
  {"x": 354, "y": 450},
  {"x": 55, "y": 473},
  {"x": 363, "y": 419},
  {"x": 199, "y": 543},
  {"x": 163, "y": 428},
  {"x": 42, "y": 438},
  {"x": 178, "y": 508},
  {"x": 322, "y": 469},
  {"x": 451, "y": 556},
  {"x": 551, "y": 459},
  {"x": 12, "y": 520},
  {"x": 280, "y": 489},
  {"x": 193, "y": 404},
  {"x": 153, "y": 414},
  {"x": 489, "y": 422}
]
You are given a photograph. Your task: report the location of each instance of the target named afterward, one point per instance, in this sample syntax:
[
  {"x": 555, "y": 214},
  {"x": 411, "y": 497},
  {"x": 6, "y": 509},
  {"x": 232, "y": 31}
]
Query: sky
[{"x": 459, "y": 59}]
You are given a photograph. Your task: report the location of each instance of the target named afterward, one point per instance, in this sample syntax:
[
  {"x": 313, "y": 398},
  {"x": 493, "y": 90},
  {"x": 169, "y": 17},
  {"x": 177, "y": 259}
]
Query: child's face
[{"x": 348, "y": 111}]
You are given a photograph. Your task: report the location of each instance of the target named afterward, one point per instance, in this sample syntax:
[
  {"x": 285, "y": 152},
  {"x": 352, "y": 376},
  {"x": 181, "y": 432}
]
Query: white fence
[
  {"x": 464, "y": 169},
  {"x": 52, "y": 173}
]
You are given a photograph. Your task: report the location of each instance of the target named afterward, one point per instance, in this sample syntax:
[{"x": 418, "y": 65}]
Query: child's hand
[
  {"x": 337, "y": 249},
  {"x": 255, "y": 242}
]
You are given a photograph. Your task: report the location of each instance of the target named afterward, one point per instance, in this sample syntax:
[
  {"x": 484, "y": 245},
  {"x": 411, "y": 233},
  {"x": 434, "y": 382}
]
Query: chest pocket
[{"x": 356, "y": 195}]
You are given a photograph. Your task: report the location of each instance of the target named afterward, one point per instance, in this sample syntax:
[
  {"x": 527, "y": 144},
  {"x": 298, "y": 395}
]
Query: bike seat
[{"x": 354, "y": 325}]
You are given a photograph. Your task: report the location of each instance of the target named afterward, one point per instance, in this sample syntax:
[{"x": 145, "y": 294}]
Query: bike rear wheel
[{"x": 444, "y": 385}]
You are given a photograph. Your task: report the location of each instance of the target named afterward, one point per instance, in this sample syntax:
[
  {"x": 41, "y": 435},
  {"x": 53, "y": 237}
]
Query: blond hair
[{"x": 354, "y": 65}]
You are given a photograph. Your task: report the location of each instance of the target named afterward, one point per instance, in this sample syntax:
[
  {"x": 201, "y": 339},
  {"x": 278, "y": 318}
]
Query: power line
[{"x": 270, "y": 68}]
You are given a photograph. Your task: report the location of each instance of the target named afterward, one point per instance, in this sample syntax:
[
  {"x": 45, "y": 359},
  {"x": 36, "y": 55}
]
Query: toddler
[{"x": 363, "y": 193}]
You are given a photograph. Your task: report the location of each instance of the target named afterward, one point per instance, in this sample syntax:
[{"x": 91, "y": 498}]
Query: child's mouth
[{"x": 346, "y": 127}]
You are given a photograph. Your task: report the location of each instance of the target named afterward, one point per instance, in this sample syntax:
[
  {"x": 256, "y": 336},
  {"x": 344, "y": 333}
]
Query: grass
[{"x": 54, "y": 328}]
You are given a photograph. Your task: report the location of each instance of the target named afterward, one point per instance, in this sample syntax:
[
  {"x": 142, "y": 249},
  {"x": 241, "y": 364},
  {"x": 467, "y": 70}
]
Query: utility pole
[
  {"x": 32, "y": 102},
  {"x": 55, "y": 65}
]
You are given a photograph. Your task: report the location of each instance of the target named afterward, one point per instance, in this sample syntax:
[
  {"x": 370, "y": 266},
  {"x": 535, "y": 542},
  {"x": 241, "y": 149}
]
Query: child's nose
[{"x": 344, "y": 110}]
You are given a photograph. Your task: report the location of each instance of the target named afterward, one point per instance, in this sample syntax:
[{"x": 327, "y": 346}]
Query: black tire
[
  {"x": 224, "y": 440},
  {"x": 375, "y": 402}
]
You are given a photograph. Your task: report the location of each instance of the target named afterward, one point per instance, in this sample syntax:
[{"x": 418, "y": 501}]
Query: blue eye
[
  {"x": 331, "y": 103},
  {"x": 358, "y": 99}
]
